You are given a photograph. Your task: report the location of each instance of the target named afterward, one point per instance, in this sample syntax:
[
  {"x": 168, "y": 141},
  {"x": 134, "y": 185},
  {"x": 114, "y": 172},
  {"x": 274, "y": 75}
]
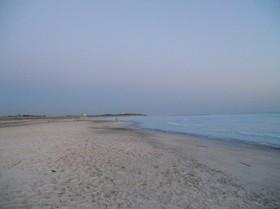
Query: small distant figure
[{"x": 116, "y": 119}]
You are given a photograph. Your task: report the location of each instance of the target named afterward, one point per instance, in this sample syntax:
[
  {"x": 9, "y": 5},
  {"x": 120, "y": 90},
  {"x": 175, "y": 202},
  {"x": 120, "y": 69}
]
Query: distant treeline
[
  {"x": 28, "y": 116},
  {"x": 118, "y": 115}
]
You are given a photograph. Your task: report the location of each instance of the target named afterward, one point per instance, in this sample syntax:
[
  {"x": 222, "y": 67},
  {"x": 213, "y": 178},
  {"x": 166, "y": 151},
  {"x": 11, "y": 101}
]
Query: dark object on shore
[{"x": 53, "y": 171}]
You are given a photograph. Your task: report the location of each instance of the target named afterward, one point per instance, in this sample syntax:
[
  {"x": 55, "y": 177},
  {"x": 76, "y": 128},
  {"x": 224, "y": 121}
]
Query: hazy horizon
[{"x": 154, "y": 57}]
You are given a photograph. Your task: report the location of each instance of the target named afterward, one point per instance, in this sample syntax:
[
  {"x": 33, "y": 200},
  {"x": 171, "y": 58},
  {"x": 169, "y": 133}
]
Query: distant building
[{"x": 83, "y": 114}]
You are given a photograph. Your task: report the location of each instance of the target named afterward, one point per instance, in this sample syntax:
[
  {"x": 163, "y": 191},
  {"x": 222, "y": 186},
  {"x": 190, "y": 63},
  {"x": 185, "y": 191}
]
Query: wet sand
[{"x": 85, "y": 164}]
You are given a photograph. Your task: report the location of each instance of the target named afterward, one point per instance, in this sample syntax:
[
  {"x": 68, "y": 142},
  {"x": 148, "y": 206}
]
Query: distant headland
[{"x": 117, "y": 115}]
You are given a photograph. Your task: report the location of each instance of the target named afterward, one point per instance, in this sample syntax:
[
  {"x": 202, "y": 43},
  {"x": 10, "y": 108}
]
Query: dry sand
[{"x": 85, "y": 164}]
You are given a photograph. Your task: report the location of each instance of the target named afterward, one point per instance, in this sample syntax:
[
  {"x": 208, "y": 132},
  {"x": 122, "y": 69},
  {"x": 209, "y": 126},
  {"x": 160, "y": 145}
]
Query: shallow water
[{"x": 262, "y": 129}]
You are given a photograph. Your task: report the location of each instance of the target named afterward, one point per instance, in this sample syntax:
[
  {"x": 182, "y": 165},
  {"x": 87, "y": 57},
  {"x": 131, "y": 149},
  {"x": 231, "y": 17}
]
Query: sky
[{"x": 155, "y": 57}]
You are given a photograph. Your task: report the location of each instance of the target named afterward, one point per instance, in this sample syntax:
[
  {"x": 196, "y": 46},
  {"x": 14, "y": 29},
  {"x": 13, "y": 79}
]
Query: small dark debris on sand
[{"x": 248, "y": 165}]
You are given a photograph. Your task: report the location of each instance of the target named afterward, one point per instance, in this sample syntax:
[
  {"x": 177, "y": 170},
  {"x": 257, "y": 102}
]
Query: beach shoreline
[{"x": 104, "y": 164}]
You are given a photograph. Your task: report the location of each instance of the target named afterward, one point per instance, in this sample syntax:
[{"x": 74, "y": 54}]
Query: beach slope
[{"x": 86, "y": 164}]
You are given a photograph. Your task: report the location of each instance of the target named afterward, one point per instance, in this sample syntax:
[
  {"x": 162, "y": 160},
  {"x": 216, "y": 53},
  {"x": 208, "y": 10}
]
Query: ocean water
[{"x": 261, "y": 129}]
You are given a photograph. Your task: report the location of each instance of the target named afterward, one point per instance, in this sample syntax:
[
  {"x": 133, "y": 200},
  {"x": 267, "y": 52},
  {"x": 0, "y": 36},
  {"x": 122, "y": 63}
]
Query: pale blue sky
[{"x": 157, "y": 57}]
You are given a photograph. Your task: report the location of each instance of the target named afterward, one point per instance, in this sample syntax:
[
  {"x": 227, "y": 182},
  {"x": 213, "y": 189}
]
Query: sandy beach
[{"x": 85, "y": 164}]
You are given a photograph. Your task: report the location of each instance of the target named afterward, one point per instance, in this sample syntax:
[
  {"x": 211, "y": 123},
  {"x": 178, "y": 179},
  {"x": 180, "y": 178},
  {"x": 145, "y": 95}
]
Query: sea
[{"x": 260, "y": 128}]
